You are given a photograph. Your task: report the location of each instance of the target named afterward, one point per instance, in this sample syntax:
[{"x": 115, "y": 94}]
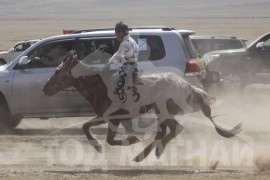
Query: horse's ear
[
  {"x": 70, "y": 55},
  {"x": 74, "y": 54}
]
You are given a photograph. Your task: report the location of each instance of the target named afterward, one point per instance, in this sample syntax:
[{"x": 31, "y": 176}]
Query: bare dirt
[{"x": 57, "y": 148}]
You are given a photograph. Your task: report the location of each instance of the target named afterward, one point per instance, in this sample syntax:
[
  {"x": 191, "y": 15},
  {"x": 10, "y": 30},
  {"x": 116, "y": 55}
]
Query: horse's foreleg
[
  {"x": 91, "y": 139},
  {"x": 160, "y": 134},
  {"x": 112, "y": 131},
  {"x": 175, "y": 129},
  {"x": 160, "y": 108}
]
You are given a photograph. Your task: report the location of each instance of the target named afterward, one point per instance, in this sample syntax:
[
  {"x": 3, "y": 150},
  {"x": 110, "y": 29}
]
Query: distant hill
[
  {"x": 34, "y": 19},
  {"x": 146, "y": 9}
]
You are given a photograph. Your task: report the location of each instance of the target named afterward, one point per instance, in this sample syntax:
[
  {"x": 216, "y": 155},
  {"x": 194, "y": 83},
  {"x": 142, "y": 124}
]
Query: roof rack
[{"x": 164, "y": 28}]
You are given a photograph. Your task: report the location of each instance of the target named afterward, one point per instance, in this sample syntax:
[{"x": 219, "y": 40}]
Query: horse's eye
[{"x": 57, "y": 71}]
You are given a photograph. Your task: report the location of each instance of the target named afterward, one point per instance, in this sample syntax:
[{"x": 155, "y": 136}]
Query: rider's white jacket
[{"x": 128, "y": 51}]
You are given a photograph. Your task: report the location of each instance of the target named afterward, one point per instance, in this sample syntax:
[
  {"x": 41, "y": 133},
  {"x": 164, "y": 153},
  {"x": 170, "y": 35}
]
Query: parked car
[
  {"x": 240, "y": 67},
  {"x": 16, "y": 50},
  {"x": 21, "y": 95},
  {"x": 205, "y": 44}
]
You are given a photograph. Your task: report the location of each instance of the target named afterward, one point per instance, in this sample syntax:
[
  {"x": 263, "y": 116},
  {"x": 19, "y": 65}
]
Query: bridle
[
  {"x": 68, "y": 74},
  {"x": 61, "y": 82}
]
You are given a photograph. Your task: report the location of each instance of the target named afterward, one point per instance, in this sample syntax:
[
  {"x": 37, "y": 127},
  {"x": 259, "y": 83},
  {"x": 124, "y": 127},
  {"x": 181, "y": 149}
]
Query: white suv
[
  {"x": 16, "y": 50},
  {"x": 21, "y": 95}
]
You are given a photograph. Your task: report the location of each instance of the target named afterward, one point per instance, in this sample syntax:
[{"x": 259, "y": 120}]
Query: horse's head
[{"x": 62, "y": 77}]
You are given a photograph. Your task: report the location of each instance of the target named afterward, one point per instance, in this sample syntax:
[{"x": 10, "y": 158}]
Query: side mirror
[
  {"x": 11, "y": 50},
  {"x": 260, "y": 45},
  {"x": 23, "y": 60}
]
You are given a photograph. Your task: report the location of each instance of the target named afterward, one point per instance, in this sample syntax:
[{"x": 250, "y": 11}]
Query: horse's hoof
[
  {"x": 98, "y": 148},
  {"x": 137, "y": 159},
  {"x": 159, "y": 151},
  {"x": 158, "y": 154}
]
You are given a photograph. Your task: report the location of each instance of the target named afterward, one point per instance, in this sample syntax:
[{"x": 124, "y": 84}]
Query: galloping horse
[{"x": 166, "y": 93}]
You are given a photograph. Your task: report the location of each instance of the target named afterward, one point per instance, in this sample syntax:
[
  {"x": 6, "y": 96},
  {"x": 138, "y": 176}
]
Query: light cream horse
[{"x": 166, "y": 93}]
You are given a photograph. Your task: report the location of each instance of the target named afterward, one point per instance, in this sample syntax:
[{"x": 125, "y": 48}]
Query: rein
[
  {"x": 74, "y": 89},
  {"x": 75, "y": 81},
  {"x": 68, "y": 74}
]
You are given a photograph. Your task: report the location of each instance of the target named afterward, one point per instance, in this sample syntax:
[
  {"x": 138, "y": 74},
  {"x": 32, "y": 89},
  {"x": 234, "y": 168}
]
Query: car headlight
[{"x": 210, "y": 57}]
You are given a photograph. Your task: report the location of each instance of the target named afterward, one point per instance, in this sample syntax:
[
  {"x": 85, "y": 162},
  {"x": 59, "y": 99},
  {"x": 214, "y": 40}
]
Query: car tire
[
  {"x": 13, "y": 122},
  {"x": 2, "y": 62},
  {"x": 4, "y": 112},
  {"x": 233, "y": 80},
  {"x": 5, "y": 120}
]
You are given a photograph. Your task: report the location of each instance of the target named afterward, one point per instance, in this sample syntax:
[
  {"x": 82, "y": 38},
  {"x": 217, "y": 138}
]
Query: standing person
[{"x": 127, "y": 54}]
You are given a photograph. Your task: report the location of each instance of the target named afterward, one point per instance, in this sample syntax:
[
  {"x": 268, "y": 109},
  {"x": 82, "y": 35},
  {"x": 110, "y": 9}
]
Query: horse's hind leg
[
  {"x": 175, "y": 129},
  {"x": 112, "y": 131},
  {"x": 151, "y": 146},
  {"x": 91, "y": 139}
]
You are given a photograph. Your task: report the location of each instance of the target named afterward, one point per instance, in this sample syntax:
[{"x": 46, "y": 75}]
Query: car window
[
  {"x": 95, "y": 51},
  {"x": 267, "y": 43},
  {"x": 190, "y": 47},
  {"x": 206, "y": 45},
  {"x": 21, "y": 46},
  {"x": 98, "y": 51},
  {"x": 47, "y": 55},
  {"x": 151, "y": 48}
]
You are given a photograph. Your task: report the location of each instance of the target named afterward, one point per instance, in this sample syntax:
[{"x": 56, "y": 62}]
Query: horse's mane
[{"x": 83, "y": 69}]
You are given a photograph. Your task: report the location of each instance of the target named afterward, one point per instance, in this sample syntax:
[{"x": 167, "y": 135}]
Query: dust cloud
[
  {"x": 198, "y": 146},
  {"x": 251, "y": 107}
]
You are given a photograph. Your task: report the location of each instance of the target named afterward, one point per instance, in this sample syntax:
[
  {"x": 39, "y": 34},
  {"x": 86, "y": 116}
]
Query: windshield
[
  {"x": 206, "y": 45},
  {"x": 190, "y": 47},
  {"x": 263, "y": 38}
]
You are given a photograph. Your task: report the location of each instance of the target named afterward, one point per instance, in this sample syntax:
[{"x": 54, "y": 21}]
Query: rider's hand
[
  {"x": 107, "y": 64},
  {"x": 107, "y": 61}
]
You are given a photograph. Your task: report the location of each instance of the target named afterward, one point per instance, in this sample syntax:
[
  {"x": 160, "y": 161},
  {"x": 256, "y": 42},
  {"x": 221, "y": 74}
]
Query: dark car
[
  {"x": 239, "y": 67},
  {"x": 205, "y": 44}
]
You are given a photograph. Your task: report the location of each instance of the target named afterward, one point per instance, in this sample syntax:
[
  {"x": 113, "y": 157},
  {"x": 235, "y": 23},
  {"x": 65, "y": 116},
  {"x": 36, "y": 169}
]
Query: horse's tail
[
  {"x": 204, "y": 100},
  {"x": 207, "y": 98}
]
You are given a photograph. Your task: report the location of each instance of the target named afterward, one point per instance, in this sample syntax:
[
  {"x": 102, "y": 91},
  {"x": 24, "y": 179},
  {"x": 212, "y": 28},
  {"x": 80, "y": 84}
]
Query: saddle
[{"x": 127, "y": 79}]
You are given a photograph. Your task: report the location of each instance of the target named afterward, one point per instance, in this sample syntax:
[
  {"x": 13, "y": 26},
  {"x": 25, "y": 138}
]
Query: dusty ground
[{"x": 57, "y": 148}]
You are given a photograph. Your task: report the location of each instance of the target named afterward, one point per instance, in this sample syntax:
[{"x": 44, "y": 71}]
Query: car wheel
[
  {"x": 13, "y": 123},
  {"x": 2, "y": 62},
  {"x": 4, "y": 112},
  {"x": 234, "y": 80},
  {"x": 5, "y": 120}
]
